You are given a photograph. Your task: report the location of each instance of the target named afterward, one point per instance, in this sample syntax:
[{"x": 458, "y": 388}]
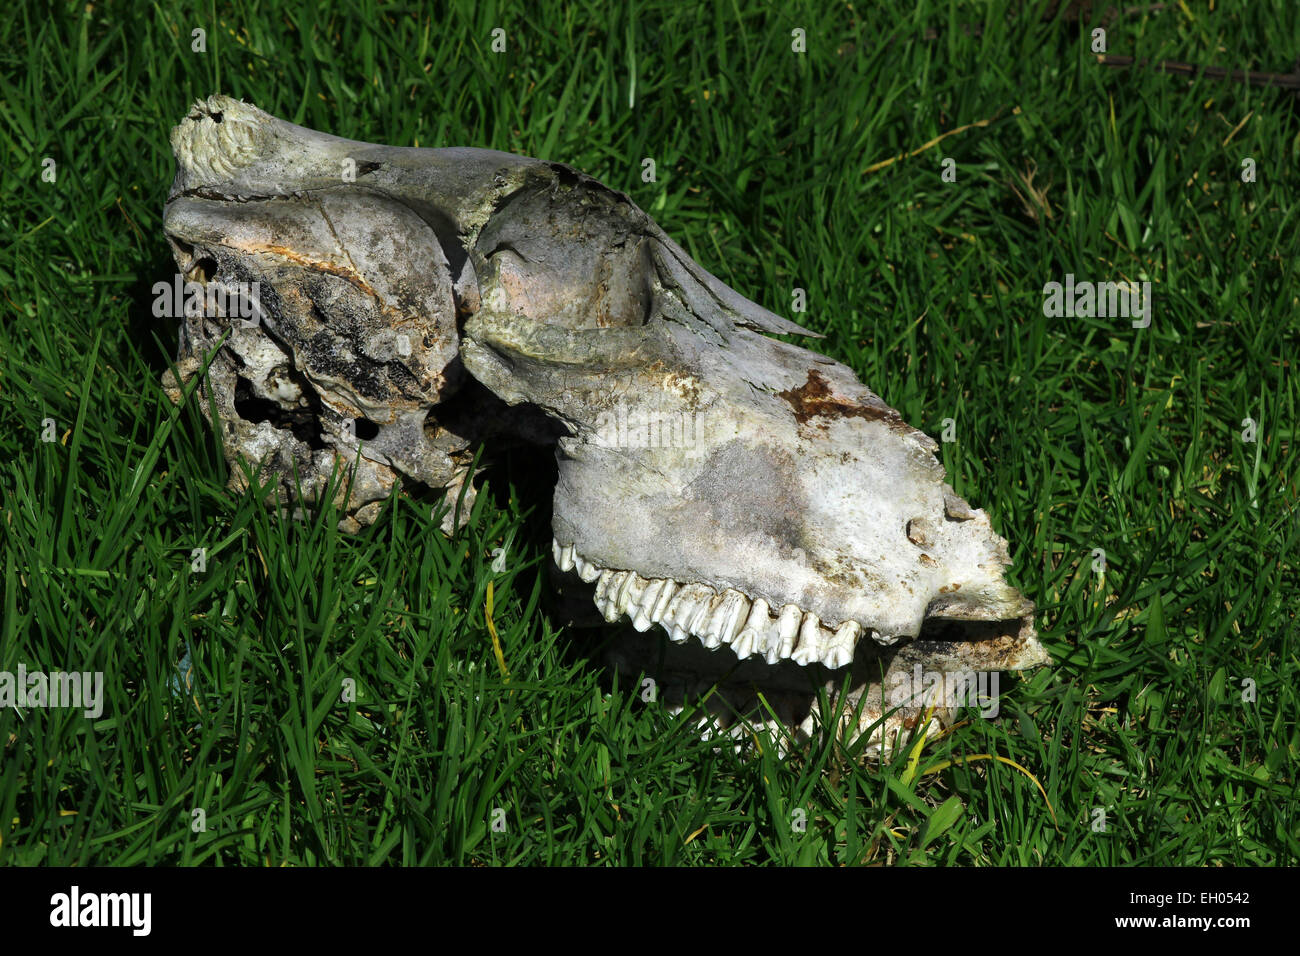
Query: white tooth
[
  {"x": 600, "y": 602},
  {"x": 712, "y": 635},
  {"x": 841, "y": 649},
  {"x": 650, "y": 597},
  {"x": 617, "y": 582},
  {"x": 810, "y": 645},
  {"x": 673, "y": 609},
  {"x": 700, "y": 619},
  {"x": 679, "y": 635},
  {"x": 641, "y": 619},
  {"x": 563, "y": 556},
  {"x": 660, "y": 608},
  {"x": 586, "y": 570},
  {"x": 686, "y": 604},
  {"x": 758, "y": 616},
  {"x": 602, "y": 586},
  {"x": 731, "y": 615},
  {"x": 556, "y": 550},
  {"x": 771, "y": 644},
  {"x": 786, "y": 628},
  {"x": 620, "y": 594},
  {"x": 753, "y": 636},
  {"x": 629, "y": 595}
]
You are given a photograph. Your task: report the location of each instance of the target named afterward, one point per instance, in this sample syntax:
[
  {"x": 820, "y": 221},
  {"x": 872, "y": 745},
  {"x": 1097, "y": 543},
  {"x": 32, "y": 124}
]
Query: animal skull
[{"x": 741, "y": 493}]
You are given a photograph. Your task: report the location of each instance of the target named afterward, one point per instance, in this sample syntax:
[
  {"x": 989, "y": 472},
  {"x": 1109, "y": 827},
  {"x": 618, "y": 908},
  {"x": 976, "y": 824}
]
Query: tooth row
[{"x": 750, "y": 628}]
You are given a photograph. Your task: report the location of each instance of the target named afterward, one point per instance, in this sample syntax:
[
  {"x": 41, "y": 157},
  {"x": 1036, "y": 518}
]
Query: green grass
[{"x": 1075, "y": 433}]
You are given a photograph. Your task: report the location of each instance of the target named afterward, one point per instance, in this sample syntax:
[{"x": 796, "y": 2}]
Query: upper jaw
[
  {"x": 750, "y": 627},
  {"x": 782, "y": 526}
]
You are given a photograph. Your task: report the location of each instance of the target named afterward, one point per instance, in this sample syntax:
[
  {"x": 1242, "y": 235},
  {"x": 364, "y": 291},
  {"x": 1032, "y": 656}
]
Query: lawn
[{"x": 294, "y": 695}]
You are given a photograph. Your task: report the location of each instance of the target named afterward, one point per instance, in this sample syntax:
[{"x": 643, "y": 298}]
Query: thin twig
[{"x": 1286, "y": 81}]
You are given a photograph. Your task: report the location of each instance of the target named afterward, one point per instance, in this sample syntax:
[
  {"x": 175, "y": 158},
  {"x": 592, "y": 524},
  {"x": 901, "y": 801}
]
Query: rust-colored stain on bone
[{"x": 813, "y": 399}]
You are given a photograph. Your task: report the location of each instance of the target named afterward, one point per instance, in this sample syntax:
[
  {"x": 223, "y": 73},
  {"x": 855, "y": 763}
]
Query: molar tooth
[
  {"x": 846, "y": 638},
  {"x": 679, "y": 635},
  {"x": 629, "y": 596},
  {"x": 686, "y": 604},
  {"x": 837, "y": 658},
  {"x": 606, "y": 577},
  {"x": 660, "y": 608},
  {"x": 809, "y": 640},
  {"x": 753, "y": 636},
  {"x": 731, "y": 614},
  {"x": 786, "y": 629},
  {"x": 711, "y": 633},
  {"x": 759, "y": 617},
  {"x": 586, "y": 570},
  {"x": 641, "y": 619},
  {"x": 617, "y": 584},
  {"x": 826, "y": 645},
  {"x": 699, "y": 623},
  {"x": 673, "y": 609},
  {"x": 769, "y": 641},
  {"x": 563, "y": 555}
]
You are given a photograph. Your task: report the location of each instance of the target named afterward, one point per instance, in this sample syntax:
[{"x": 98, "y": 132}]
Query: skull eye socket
[{"x": 204, "y": 270}]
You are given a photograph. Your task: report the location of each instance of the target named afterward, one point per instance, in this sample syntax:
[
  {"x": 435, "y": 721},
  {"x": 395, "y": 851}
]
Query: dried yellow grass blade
[
  {"x": 970, "y": 758},
  {"x": 496, "y": 640}
]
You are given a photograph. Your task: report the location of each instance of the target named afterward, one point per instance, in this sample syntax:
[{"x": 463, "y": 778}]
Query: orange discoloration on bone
[
  {"x": 318, "y": 265},
  {"x": 814, "y": 399}
]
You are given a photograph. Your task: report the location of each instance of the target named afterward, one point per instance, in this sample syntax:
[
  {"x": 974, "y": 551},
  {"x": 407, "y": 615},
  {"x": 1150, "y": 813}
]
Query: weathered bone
[{"x": 742, "y": 493}]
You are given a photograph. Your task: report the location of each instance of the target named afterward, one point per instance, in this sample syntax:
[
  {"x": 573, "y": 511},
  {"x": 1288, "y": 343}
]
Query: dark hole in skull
[
  {"x": 303, "y": 421},
  {"x": 364, "y": 428},
  {"x": 204, "y": 270}
]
